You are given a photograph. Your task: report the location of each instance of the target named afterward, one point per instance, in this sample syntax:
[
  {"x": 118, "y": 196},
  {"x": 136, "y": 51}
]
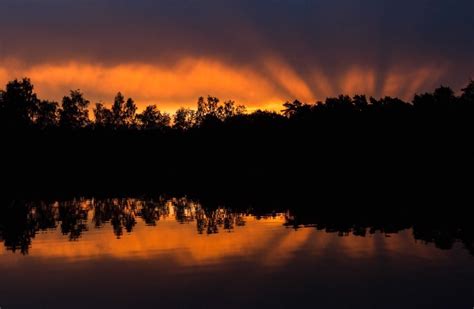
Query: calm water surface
[{"x": 173, "y": 253}]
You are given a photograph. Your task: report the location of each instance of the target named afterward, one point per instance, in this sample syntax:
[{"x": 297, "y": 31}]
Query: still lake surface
[{"x": 173, "y": 253}]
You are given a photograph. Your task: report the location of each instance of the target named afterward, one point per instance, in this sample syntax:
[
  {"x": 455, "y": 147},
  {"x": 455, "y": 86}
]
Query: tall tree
[
  {"x": 19, "y": 103},
  {"x": 444, "y": 97},
  {"x": 207, "y": 109},
  {"x": 74, "y": 113},
  {"x": 291, "y": 108},
  {"x": 468, "y": 93},
  {"x": 229, "y": 109},
  {"x": 184, "y": 119},
  {"x": 130, "y": 113},
  {"x": 342, "y": 103},
  {"x": 117, "y": 110},
  {"x": 152, "y": 118},
  {"x": 103, "y": 116},
  {"x": 123, "y": 112},
  {"x": 467, "y": 98},
  {"x": 47, "y": 115},
  {"x": 360, "y": 102}
]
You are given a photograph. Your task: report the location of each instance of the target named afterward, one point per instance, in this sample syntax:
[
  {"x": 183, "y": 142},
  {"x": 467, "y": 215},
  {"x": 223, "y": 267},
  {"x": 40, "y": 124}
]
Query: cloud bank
[{"x": 259, "y": 53}]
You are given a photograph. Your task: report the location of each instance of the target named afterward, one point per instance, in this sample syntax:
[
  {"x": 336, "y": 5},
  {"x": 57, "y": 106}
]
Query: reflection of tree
[
  {"x": 20, "y": 221},
  {"x": 184, "y": 210},
  {"x": 124, "y": 213},
  {"x": 16, "y": 228},
  {"x": 443, "y": 236},
  {"x": 73, "y": 216},
  {"x": 153, "y": 210},
  {"x": 210, "y": 221},
  {"x": 121, "y": 213},
  {"x": 102, "y": 212},
  {"x": 45, "y": 215}
]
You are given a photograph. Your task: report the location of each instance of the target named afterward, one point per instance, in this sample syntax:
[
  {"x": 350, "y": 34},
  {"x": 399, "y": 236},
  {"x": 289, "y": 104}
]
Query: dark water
[{"x": 126, "y": 253}]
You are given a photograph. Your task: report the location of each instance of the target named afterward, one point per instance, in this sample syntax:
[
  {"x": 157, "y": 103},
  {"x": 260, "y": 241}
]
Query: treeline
[
  {"x": 20, "y": 108},
  {"x": 343, "y": 150}
]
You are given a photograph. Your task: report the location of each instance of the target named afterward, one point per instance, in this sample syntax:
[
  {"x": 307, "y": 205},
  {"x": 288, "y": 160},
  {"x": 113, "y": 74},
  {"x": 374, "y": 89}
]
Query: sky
[{"x": 257, "y": 52}]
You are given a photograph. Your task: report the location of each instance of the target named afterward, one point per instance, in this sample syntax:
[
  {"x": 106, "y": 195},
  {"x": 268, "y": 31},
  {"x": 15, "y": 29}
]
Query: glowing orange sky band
[{"x": 179, "y": 85}]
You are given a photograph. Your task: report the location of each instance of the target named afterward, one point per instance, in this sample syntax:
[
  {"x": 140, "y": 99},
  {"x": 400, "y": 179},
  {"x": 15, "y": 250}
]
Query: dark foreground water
[{"x": 173, "y": 253}]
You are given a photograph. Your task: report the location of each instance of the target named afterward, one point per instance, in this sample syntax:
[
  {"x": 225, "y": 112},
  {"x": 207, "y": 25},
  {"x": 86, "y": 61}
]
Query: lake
[{"x": 176, "y": 253}]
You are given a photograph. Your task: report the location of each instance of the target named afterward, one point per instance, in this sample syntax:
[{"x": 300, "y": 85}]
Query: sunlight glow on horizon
[{"x": 180, "y": 85}]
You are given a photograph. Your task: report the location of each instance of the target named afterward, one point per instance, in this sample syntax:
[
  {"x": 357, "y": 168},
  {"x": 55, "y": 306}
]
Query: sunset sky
[{"x": 257, "y": 52}]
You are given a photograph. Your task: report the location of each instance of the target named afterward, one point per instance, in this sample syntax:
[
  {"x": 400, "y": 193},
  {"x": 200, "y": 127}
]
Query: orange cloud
[
  {"x": 322, "y": 85},
  {"x": 168, "y": 87},
  {"x": 405, "y": 83},
  {"x": 3, "y": 75},
  {"x": 288, "y": 79},
  {"x": 358, "y": 81},
  {"x": 180, "y": 84}
]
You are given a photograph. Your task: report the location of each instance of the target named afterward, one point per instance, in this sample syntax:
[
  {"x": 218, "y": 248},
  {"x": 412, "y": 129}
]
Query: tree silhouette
[
  {"x": 74, "y": 113},
  {"x": 360, "y": 103},
  {"x": 468, "y": 93},
  {"x": 341, "y": 104},
  {"x": 184, "y": 119},
  {"x": 442, "y": 100},
  {"x": 229, "y": 110},
  {"x": 220, "y": 144},
  {"x": 291, "y": 109},
  {"x": 152, "y": 118},
  {"x": 104, "y": 117},
  {"x": 207, "y": 109},
  {"x": 444, "y": 97},
  {"x": 123, "y": 113},
  {"x": 211, "y": 111},
  {"x": 393, "y": 105},
  {"x": 21, "y": 108},
  {"x": 424, "y": 102},
  {"x": 18, "y": 104},
  {"x": 47, "y": 115}
]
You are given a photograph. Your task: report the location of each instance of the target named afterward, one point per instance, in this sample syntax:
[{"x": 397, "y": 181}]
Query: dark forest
[{"x": 347, "y": 148}]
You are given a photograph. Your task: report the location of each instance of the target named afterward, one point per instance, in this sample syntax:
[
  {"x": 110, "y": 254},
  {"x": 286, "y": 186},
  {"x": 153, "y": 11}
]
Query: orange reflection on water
[
  {"x": 188, "y": 235},
  {"x": 169, "y": 237}
]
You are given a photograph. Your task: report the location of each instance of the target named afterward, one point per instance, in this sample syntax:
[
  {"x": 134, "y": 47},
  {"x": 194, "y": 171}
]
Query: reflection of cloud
[
  {"x": 357, "y": 247},
  {"x": 169, "y": 238},
  {"x": 281, "y": 252},
  {"x": 264, "y": 241}
]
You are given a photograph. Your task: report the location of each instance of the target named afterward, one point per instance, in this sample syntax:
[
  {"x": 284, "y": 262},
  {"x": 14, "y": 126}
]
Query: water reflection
[
  {"x": 20, "y": 222},
  {"x": 176, "y": 252}
]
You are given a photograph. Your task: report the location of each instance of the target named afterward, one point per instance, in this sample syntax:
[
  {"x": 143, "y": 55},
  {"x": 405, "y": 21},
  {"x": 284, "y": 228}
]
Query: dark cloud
[{"x": 330, "y": 35}]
